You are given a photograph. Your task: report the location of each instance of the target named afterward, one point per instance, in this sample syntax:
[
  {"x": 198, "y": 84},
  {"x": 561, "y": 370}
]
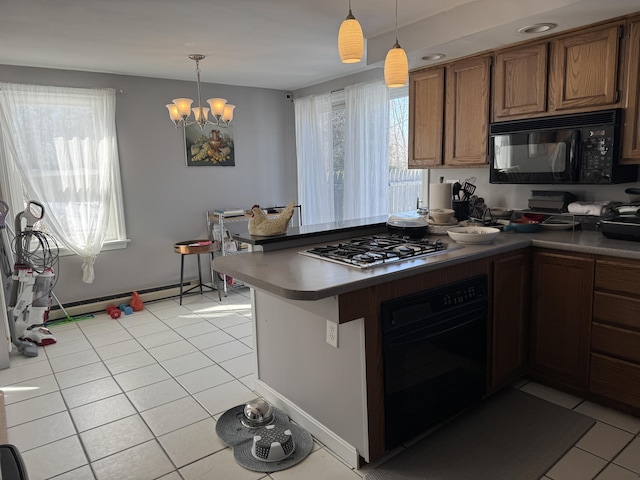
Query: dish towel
[{"x": 588, "y": 208}]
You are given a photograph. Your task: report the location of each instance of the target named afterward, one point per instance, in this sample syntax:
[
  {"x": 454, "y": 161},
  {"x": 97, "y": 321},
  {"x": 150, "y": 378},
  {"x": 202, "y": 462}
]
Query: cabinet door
[
  {"x": 467, "y": 112},
  {"x": 584, "y": 69},
  {"x": 426, "y": 117},
  {"x": 510, "y": 313},
  {"x": 520, "y": 82},
  {"x": 562, "y": 294},
  {"x": 631, "y": 132}
]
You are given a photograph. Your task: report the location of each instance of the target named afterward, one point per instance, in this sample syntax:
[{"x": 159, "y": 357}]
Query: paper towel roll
[{"x": 440, "y": 195}]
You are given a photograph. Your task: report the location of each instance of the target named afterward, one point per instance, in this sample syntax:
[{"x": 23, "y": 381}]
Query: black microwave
[{"x": 580, "y": 148}]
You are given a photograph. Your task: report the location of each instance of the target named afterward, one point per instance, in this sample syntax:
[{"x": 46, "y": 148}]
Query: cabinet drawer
[
  {"x": 616, "y": 342},
  {"x": 616, "y": 310},
  {"x": 617, "y": 277},
  {"x": 615, "y": 379}
]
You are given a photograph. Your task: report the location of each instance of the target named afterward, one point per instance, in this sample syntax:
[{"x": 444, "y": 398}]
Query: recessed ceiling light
[
  {"x": 433, "y": 56},
  {"x": 537, "y": 28}
]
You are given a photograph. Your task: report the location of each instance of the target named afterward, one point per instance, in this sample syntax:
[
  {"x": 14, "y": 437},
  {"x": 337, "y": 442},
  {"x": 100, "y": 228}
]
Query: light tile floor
[{"x": 138, "y": 397}]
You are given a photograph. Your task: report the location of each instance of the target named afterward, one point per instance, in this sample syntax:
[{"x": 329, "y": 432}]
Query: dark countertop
[
  {"x": 307, "y": 234},
  {"x": 286, "y": 273}
]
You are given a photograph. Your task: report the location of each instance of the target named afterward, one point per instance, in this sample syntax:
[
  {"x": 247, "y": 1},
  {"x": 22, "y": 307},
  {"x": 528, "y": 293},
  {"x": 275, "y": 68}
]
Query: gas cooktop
[{"x": 373, "y": 250}]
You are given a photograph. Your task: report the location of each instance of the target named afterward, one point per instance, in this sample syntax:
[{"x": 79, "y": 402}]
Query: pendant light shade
[
  {"x": 350, "y": 39},
  {"x": 396, "y": 65}
]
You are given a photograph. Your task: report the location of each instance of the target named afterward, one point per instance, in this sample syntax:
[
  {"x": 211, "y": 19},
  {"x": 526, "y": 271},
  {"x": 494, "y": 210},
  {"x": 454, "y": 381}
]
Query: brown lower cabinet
[
  {"x": 615, "y": 338},
  {"x": 510, "y": 314},
  {"x": 562, "y": 292}
]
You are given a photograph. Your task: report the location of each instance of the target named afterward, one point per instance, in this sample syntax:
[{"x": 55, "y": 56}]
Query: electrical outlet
[{"x": 332, "y": 333}]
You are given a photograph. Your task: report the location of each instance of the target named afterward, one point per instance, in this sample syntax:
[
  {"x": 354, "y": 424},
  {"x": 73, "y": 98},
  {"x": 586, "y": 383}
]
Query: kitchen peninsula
[{"x": 337, "y": 393}]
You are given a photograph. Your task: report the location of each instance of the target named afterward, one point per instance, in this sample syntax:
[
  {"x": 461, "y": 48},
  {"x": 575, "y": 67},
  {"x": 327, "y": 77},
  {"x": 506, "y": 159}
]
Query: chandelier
[{"x": 180, "y": 110}]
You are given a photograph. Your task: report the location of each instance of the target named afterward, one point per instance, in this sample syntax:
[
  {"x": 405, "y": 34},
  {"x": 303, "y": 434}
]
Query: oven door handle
[{"x": 415, "y": 337}]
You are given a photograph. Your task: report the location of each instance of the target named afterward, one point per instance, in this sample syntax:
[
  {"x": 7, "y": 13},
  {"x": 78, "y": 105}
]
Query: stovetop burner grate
[{"x": 368, "y": 251}]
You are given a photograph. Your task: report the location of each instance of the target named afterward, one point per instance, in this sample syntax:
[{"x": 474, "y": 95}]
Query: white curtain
[
  {"x": 63, "y": 143},
  {"x": 314, "y": 151},
  {"x": 366, "y": 150}
]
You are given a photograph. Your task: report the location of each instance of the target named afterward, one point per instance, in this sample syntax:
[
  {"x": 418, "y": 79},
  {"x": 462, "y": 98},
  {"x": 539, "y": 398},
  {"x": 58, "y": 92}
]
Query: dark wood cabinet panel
[
  {"x": 510, "y": 314},
  {"x": 615, "y": 342},
  {"x": 584, "y": 69},
  {"x": 562, "y": 291},
  {"x": 615, "y": 379},
  {"x": 616, "y": 310},
  {"x": 615, "y": 334},
  {"x": 631, "y": 127},
  {"x": 620, "y": 276},
  {"x": 467, "y": 112},
  {"x": 426, "y": 117},
  {"x": 520, "y": 81}
]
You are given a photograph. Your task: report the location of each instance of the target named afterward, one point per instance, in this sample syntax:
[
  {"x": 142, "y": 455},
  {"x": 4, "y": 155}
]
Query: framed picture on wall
[{"x": 211, "y": 146}]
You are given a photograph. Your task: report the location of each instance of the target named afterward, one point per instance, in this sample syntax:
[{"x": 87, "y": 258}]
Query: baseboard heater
[{"x": 99, "y": 304}]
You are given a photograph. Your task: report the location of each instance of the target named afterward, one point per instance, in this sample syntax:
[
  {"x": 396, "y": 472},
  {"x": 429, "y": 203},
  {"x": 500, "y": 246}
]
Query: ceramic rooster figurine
[{"x": 263, "y": 226}]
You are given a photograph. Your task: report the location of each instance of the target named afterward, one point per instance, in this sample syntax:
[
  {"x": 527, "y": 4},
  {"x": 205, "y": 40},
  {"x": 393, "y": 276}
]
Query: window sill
[{"x": 112, "y": 245}]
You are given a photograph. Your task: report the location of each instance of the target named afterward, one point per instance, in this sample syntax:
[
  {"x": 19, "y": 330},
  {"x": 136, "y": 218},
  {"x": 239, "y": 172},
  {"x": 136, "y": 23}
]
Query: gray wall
[{"x": 165, "y": 201}]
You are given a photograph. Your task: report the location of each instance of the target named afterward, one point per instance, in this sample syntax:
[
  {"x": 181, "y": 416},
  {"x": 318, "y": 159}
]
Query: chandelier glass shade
[
  {"x": 396, "y": 64},
  {"x": 350, "y": 39},
  {"x": 180, "y": 110}
]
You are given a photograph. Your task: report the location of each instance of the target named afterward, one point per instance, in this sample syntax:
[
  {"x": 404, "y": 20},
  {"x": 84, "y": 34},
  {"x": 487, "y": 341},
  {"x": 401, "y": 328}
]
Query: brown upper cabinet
[
  {"x": 426, "y": 117},
  {"x": 584, "y": 69},
  {"x": 593, "y": 68},
  {"x": 449, "y": 114},
  {"x": 574, "y": 72},
  {"x": 466, "y": 112},
  {"x": 631, "y": 129},
  {"x": 520, "y": 81}
]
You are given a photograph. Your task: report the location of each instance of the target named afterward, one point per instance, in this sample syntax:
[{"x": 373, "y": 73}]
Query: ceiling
[{"x": 278, "y": 44}]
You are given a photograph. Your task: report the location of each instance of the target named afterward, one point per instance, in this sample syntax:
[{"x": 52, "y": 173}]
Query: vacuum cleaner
[{"x": 29, "y": 284}]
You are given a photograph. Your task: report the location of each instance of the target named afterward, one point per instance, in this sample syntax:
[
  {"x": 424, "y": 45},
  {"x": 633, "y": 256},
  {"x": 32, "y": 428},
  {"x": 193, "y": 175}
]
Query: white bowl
[
  {"x": 473, "y": 235},
  {"x": 441, "y": 215}
]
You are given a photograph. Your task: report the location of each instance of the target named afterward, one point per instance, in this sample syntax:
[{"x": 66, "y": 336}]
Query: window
[
  {"x": 405, "y": 185},
  {"x": 59, "y": 147}
]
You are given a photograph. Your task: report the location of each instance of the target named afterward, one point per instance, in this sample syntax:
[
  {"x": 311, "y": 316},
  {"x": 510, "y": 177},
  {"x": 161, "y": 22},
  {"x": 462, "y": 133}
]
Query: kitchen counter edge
[{"x": 288, "y": 274}]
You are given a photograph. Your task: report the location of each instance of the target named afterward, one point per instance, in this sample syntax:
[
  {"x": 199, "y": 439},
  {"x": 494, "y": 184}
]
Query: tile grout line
[{"x": 123, "y": 392}]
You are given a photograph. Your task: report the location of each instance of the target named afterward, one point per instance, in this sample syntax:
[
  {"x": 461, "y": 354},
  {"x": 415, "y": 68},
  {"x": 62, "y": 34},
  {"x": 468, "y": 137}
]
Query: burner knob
[{"x": 438, "y": 243}]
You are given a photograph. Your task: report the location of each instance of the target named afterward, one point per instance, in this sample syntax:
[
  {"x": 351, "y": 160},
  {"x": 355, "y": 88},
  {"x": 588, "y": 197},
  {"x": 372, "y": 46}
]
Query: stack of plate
[{"x": 435, "y": 228}]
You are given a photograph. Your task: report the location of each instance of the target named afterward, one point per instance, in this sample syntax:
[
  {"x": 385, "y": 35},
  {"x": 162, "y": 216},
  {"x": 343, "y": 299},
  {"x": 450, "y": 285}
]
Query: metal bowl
[{"x": 257, "y": 413}]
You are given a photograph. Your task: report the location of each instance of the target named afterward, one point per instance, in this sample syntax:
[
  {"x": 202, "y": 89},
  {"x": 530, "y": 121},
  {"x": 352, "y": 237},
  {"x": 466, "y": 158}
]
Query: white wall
[
  {"x": 517, "y": 196},
  {"x": 165, "y": 201}
]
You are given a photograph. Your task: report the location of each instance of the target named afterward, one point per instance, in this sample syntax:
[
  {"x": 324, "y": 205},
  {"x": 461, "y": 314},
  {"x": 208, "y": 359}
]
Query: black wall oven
[
  {"x": 434, "y": 347},
  {"x": 580, "y": 148}
]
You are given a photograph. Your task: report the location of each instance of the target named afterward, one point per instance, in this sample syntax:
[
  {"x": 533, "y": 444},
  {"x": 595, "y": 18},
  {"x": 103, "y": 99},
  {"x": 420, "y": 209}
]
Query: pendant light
[
  {"x": 350, "y": 39},
  {"x": 396, "y": 65}
]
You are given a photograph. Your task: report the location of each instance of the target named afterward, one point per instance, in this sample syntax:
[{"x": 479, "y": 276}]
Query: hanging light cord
[{"x": 397, "y": 45}]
